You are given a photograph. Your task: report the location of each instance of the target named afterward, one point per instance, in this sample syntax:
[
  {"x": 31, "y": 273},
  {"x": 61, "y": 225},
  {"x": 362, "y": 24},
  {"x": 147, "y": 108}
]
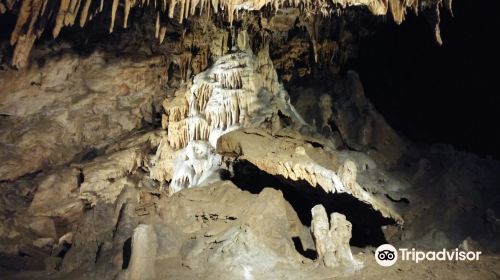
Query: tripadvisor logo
[{"x": 387, "y": 255}]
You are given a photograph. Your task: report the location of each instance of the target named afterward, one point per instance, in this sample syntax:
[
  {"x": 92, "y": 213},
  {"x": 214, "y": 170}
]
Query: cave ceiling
[{"x": 36, "y": 19}]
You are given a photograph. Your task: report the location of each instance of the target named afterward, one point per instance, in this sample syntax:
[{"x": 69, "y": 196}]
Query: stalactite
[
  {"x": 163, "y": 32},
  {"x": 24, "y": 14},
  {"x": 198, "y": 128},
  {"x": 200, "y": 61},
  {"x": 10, "y": 4},
  {"x": 63, "y": 8},
  {"x": 71, "y": 12},
  {"x": 177, "y": 134},
  {"x": 85, "y": 12},
  {"x": 67, "y": 11},
  {"x": 397, "y": 10},
  {"x": 176, "y": 109},
  {"x": 29, "y": 9},
  {"x": 22, "y": 50},
  {"x": 223, "y": 109},
  {"x": 202, "y": 94},
  {"x": 157, "y": 25},
  {"x": 114, "y": 7},
  {"x": 126, "y": 11},
  {"x": 185, "y": 64}
]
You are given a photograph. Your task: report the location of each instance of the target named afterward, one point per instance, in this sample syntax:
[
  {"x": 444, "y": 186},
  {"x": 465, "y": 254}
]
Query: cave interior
[{"x": 233, "y": 139}]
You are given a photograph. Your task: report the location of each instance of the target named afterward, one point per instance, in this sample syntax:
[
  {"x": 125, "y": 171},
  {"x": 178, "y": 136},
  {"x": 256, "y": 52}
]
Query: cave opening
[{"x": 366, "y": 222}]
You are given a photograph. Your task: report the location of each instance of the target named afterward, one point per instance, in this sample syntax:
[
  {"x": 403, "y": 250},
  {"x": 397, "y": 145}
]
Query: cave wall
[{"x": 69, "y": 105}]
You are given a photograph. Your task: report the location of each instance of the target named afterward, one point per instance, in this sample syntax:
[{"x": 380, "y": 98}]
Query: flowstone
[{"x": 239, "y": 90}]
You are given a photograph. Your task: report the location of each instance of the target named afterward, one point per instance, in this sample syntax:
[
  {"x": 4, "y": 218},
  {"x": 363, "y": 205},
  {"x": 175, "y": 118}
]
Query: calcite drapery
[{"x": 239, "y": 90}]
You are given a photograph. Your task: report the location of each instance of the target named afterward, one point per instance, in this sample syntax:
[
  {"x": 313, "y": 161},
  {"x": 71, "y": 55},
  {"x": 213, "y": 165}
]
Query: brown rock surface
[{"x": 54, "y": 112}]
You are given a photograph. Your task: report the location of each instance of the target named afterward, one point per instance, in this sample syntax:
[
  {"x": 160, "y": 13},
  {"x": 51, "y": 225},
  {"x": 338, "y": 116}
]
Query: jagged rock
[
  {"x": 59, "y": 110},
  {"x": 332, "y": 238},
  {"x": 44, "y": 242},
  {"x": 94, "y": 228},
  {"x": 57, "y": 195},
  {"x": 233, "y": 231},
  {"x": 360, "y": 125},
  {"x": 44, "y": 227},
  {"x": 163, "y": 162},
  {"x": 107, "y": 176},
  {"x": 291, "y": 156}
]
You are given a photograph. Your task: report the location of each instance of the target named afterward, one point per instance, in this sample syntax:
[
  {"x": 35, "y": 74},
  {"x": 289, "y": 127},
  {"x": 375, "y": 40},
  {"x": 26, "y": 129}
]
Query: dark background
[{"x": 439, "y": 94}]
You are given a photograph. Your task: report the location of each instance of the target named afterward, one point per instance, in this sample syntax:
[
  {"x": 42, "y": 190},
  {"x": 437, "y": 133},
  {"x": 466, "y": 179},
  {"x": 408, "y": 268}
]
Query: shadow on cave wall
[{"x": 366, "y": 222}]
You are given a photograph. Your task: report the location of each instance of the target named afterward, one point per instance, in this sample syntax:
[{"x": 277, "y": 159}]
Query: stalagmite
[{"x": 332, "y": 238}]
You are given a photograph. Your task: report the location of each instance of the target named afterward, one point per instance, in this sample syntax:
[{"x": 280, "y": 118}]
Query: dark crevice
[
  {"x": 315, "y": 144},
  {"x": 400, "y": 200},
  {"x": 65, "y": 248},
  {"x": 80, "y": 178},
  {"x": 366, "y": 221},
  {"x": 89, "y": 154},
  {"x": 309, "y": 253},
  {"x": 127, "y": 252},
  {"x": 98, "y": 253},
  {"x": 287, "y": 121}
]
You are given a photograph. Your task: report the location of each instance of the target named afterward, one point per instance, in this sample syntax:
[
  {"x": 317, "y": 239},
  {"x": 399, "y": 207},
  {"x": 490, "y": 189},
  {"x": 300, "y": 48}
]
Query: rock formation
[
  {"x": 332, "y": 238},
  {"x": 142, "y": 260},
  {"x": 218, "y": 140},
  {"x": 297, "y": 160},
  {"x": 239, "y": 90},
  {"x": 33, "y": 15}
]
